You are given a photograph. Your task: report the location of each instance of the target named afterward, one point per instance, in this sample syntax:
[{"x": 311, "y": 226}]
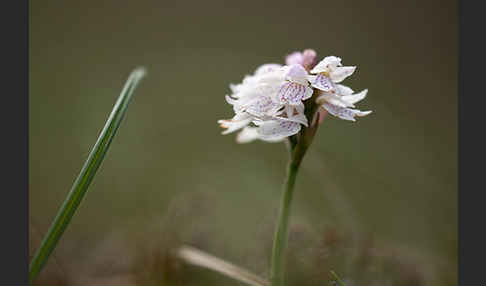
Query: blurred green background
[{"x": 385, "y": 186}]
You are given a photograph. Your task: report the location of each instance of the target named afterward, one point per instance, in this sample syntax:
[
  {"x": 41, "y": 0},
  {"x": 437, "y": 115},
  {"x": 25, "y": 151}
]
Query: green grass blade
[
  {"x": 86, "y": 175},
  {"x": 336, "y": 278}
]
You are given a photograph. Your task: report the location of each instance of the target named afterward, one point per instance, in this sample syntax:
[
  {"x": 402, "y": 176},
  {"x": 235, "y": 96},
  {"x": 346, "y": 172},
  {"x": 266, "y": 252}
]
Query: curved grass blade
[{"x": 80, "y": 186}]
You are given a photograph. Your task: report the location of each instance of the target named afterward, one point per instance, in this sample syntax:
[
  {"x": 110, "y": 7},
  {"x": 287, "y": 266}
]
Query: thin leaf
[{"x": 80, "y": 186}]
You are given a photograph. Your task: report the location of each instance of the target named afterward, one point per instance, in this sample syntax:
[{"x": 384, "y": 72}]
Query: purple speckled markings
[
  {"x": 277, "y": 128},
  {"x": 344, "y": 113},
  {"x": 293, "y": 93},
  {"x": 261, "y": 106},
  {"x": 323, "y": 83}
]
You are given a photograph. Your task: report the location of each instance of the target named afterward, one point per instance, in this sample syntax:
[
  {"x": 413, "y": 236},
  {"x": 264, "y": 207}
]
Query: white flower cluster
[{"x": 269, "y": 106}]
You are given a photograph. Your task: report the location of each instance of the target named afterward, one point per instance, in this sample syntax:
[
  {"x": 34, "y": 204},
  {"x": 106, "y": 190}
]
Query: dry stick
[{"x": 197, "y": 257}]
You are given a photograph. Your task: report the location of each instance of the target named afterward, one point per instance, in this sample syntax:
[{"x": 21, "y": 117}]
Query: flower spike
[{"x": 272, "y": 104}]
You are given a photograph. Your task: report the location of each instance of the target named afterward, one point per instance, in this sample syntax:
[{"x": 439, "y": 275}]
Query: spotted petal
[
  {"x": 344, "y": 113},
  {"x": 277, "y": 129},
  {"x": 323, "y": 83},
  {"x": 343, "y": 96},
  {"x": 263, "y": 106},
  {"x": 344, "y": 90},
  {"x": 239, "y": 104},
  {"x": 293, "y": 93}
]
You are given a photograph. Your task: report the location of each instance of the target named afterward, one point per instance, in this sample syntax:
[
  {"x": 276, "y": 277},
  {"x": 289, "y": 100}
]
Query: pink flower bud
[
  {"x": 309, "y": 59},
  {"x": 295, "y": 58}
]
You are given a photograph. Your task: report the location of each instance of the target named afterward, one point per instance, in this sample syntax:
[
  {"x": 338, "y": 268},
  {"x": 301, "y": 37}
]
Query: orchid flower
[{"x": 269, "y": 104}]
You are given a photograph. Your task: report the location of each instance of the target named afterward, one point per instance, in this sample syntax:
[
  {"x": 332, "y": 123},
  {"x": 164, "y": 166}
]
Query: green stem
[
  {"x": 80, "y": 186},
  {"x": 298, "y": 145},
  {"x": 281, "y": 233}
]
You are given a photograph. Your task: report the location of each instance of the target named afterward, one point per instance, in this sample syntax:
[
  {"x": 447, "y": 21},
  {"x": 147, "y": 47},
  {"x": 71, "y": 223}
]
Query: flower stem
[
  {"x": 281, "y": 233},
  {"x": 298, "y": 145},
  {"x": 80, "y": 186}
]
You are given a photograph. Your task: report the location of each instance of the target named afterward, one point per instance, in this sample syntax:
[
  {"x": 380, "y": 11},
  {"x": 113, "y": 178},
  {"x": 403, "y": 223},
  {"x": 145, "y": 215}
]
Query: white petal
[
  {"x": 266, "y": 68},
  {"x": 319, "y": 68},
  {"x": 238, "y": 104},
  {"x": 247, "y": 135},
  {"x": 294, "y": 113},
  {"x": 258, "y": 122},
  {"x": 262, "y": 106},
  {"x": 340, "y": 73},
  {"x": 230, "y": 100},
  {"x": 293, "y": 93},
  {"x": 237, "y": 122},
  {"x": 327, "y": 64},
  {"x": 276, "y": 129},
  {"x": 234, "y": 87},
  {"x": 299, "y": 118},
  {"x": 276, "y": 75},
  {"x": 308, "y": 93},
  {"x": 323, "y": 83},
  {"x": 266, "y": 73},
  {"x": 297, "y": 74},
  {"x": 344, "y": 90},
  {"x": 344, "y": 113},
  {"x": 244, "y": 89},
  {"x": 270, "y": 89},
  {"x": 299, "y": 108},
  {"x": 362, "y": 113},
  {"x": 354, "y": 98},
  {"x": 332, "y": 61},
  {"x": 327, "y": 97},
  {"x": 311, "y": 78},
  {"x": 272, "y": 140}
]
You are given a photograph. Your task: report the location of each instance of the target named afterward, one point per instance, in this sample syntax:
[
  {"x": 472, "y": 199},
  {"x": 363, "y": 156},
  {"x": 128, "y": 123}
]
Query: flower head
[{"x": 269, "y": 104}]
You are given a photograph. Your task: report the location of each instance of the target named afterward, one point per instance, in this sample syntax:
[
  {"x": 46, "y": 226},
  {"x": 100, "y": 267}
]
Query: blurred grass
[{"x": 391, "y": 176}]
